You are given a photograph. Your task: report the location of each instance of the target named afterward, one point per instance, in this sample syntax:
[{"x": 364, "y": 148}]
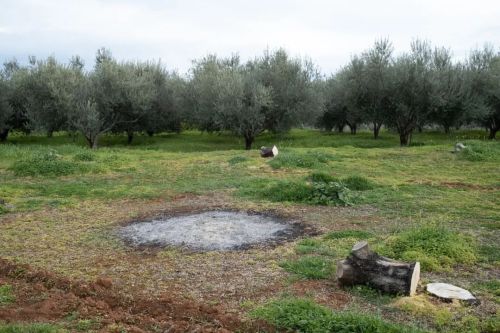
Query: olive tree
[
  {"x": 377, "y": 84},
  {"x": 411, "y": 89},
  {"x": 112, "y": 97},
  {"x": 6, "y": 110},
  {"x": 484, "y": 76},
  {"x": 48, "y": 90},
  {"x": 226, "y": 95},
  {"x": 165, "y": 111},
  {"x": 202, "y": 92},
  {"x": 295, "y": 97},
  {"x": 241, "y": 103},
  {"x": 14, "y": 99},
  {"x": 449, "y": 97}
]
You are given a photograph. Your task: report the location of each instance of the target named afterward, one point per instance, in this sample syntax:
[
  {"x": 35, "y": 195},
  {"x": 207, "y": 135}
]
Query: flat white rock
[{"x": 449, "y": 291}]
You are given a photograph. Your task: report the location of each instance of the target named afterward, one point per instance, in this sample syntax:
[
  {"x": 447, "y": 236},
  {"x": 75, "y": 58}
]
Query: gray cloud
[{"x": 328, "y": 32}]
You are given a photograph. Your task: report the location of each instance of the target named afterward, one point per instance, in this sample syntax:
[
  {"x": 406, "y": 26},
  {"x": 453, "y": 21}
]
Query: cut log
[
  {"x": 363, "y": 266},
  {"x": 268, "y": 152}
]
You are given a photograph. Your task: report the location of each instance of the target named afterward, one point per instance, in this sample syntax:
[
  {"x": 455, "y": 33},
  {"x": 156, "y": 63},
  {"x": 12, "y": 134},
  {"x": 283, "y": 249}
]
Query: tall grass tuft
[{"x": 436, "y": 247}]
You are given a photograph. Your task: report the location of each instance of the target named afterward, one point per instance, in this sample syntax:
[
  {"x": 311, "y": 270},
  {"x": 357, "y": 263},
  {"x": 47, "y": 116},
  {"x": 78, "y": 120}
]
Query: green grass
[
  {"x": 477, "y": 151},
  {"x": 357, "y": 234},
  {"x": 237, "y": 159},
  {"x": 313, "y": 246},
  {"x": 303, "y": 315},
  {"x": 6, "y": 294},
  {"x": 371, "y": 295},
  {"x": 393, "y": 191},
  {"x": 490, "y": 286},
  {"x": 319, "y": 193},
  {"x": 310, "y": 267},
  {"x": 293, "y": 159},
  {"x": 29, "y": 328},
  {"x": 46, "y": 164},
  {"x": 435, "y": 246},
  {"x": 358, "y": 183}
]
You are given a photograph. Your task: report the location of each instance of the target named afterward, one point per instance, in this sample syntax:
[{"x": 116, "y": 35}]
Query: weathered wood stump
[
  {"x": 268, "y": 152},
  {"x": 363, "y": 266}
]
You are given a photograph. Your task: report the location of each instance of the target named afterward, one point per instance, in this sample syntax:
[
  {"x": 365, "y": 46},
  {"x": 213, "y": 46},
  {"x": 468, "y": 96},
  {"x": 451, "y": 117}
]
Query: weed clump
[
  {"x": 358, "y": 183},
  {"x": 476, "y": 151},
  {"x": 322, "y": 177},
  {"x": 436, "y": 247},
  {"x": 303, "y": 315},
  {"x": 84, "y": 156},
  {"x": 306, "y": 160},
  {"x": 46, "y": 164},
  {"x": 315, "y": 193},
  {"x": 310, "y": 267},
  {"x": 354, "y": 183},
  {"x": 6, "y": 295}
]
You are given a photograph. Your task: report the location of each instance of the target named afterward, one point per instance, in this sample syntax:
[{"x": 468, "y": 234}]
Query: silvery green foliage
[
  {"x": 376, "y": 85},
  {"x": 345, "y": 96},
  {"x": 49, "y": 86},
  {"x": 296, "y": 92},
  {"x": 411, "y": 90},
  {"x": 228, "y": 96},
  {"x": 484, "y": 79},
  {"x": 6, "y": 111},
  {"x": 111, "y": 97},
  {"x": 450, "y": 96}
]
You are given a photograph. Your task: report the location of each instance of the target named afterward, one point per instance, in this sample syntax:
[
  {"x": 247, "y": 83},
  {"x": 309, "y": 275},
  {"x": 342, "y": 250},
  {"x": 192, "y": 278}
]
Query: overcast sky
[{"x": 178, "y": 31}]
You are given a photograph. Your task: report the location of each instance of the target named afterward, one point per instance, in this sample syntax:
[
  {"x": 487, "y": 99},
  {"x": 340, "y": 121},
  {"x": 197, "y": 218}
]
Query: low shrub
[
  {"x": 310, "y": 267},
  {"x": 290, "y": 159},
  {"x": 333, "y": 193},
  {"x": 303, "y": 315},
  {"x": 46, "y": 164},
  {"x": 436, "y": 247}
]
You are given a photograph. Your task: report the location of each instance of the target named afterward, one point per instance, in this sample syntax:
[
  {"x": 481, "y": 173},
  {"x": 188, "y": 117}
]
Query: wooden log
[
  {"x": 363, "y": 266},
  {"x": 268, "y": 152}
]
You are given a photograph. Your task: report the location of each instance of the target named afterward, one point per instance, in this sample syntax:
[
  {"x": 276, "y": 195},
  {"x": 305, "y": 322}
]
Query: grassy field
[{"x": 61, "y": 203}]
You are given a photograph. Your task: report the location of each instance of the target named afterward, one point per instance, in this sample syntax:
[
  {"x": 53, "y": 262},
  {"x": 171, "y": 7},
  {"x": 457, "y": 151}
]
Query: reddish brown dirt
[
  {"x": 323, "y": 291},
  {"x": 44, "y": 296}
]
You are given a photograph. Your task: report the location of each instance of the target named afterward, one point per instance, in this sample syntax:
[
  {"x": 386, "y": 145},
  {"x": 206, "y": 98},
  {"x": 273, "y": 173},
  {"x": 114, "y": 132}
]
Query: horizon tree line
[{"x": 273, "y": 92}]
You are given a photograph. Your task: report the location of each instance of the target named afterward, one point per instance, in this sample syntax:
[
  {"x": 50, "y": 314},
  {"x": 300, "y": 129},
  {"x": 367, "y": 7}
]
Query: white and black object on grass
[
  {"x": 459, "y": 146},
  {"x": 268, "y": 152},
  {"x": 363, "y": 266}
]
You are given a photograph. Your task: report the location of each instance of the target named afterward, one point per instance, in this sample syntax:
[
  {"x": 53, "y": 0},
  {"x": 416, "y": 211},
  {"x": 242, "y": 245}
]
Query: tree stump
[
  {"x": 363, "y": 266},
  {"x": 268, "y": 152}
]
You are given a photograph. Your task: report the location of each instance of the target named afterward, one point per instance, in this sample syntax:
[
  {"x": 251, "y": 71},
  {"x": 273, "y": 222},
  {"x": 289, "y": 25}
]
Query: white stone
[
  {"x": 275, "y": 151},
  {"x": 449, "y": 291}
]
